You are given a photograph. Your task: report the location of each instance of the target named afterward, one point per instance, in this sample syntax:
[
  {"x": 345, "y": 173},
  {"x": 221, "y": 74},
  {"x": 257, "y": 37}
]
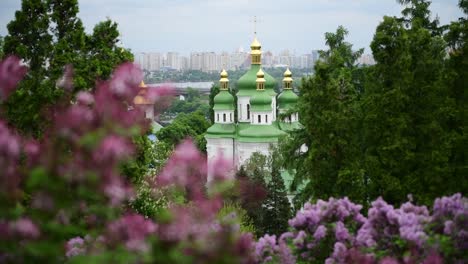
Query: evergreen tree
[
  {"x": 276, "y": 207},
  {"x": 330, "y": 113},
  {"x": 456, "y": 78},
  {"x": 407, "y": 146},
  {"x": 213, "y": 92}
]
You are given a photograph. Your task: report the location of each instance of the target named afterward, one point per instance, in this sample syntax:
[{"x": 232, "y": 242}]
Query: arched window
[
  {"x": 248, "y": 111},
  {"x": 217, "y": 117},
  {"x": 259, "y": 119},
  {"x": 266, "y": 118},
  {"x": 224, "y": 117}
]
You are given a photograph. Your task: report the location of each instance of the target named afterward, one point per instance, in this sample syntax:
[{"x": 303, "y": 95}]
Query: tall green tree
[
  {"x": 276, "y": 207},
  {"x": 213, "y": 92},
  {"x": 407, "y": 144},
  {"x": 1, "y": 47},
  {"x": 104, "y": 53},
  {"x": 48, "y": 35},
  {"x": 456, "y": 78},
  {"x": 330, "y": 114}
]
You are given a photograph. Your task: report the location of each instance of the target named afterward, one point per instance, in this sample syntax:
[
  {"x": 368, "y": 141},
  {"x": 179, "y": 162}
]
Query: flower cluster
[{"x": 335, "y": 231}]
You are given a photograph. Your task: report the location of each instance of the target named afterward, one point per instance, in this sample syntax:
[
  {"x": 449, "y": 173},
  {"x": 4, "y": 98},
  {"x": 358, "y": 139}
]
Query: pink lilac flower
[
  {"x": 186, "y": 169},
  {"x": 131, "y": 230},
  {"x": 25, "y": 228},
  {"x": 341, "y": 232},
  {"x": 74, "y": 247},
  {"x": 85, "y": 98},
  {"x": 320, "y": 232},
  {"x": 11, "y": 72},
  {"x": 113, "y": 148}
]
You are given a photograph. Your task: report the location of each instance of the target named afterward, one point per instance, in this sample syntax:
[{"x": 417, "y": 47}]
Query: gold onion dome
[
  {"x": 224, "y": 74},
  {"x": 255, "y": 44},
  {"x": 287, "y": 79},
  {"x": 260, "y": 76},
  {"x": 140, "y": 99},
  {"x": 224, "y": 80}
]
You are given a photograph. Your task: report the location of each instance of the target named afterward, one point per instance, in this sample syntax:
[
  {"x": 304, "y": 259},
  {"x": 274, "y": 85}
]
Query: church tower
[{"x": 287, "y": 101}]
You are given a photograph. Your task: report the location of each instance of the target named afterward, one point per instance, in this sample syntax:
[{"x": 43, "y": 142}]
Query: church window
[
  {"x": 217, "y": 117},
  {"x": 224, "y": 117},
  {"x": 248, "y": 111},
  {"x": 266, "y": 118},
  {"x": 259, "y": 119},
  {"x": 230, "y": 117}
]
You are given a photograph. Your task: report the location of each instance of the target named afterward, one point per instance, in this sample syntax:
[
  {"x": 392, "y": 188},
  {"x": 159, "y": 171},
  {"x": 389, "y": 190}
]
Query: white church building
[{"x": 256, "y": 124}]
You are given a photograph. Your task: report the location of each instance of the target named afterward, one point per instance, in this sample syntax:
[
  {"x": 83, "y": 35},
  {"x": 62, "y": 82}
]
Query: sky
[{"x": 226, "y": 25}]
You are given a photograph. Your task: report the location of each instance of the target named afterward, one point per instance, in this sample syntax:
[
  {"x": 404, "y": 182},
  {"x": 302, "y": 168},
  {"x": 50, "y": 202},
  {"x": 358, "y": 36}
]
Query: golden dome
[
  {"x": 260, "y": 74},
  {"x": 142, "y": 84},
  {"x": 287, "y": 73},
  {"x": 224, "y": 74},
  {"x": 260, "y": 79},
  {"x": 255, "y": 44}
]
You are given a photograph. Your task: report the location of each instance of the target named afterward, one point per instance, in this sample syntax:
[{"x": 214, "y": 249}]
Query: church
[{"x": 257, "y": 109}]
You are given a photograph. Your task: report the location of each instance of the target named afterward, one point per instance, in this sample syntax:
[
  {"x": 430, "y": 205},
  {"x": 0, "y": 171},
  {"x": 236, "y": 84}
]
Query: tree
[
  {"x": 455, "y": 77},
  {"x": 277, "y": 209},
  {"x": 213, "y": 92},
  {"x": 330, "y": 114},
  {"x": 103, "y": 52},
  {"x": 406, "y": 104},
  {"x": 1, "y": 47},
  {"x": 192, "y": 125},
  {"x": 48, "y": 36}
]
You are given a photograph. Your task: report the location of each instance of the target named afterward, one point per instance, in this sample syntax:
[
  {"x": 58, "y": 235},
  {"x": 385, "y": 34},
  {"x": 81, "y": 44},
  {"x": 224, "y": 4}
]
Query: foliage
[
  {"x": 234, "y": 212},
  {"x": 330, "y": 113},
  {"x": 184, "y": 125},
  {"x": 270, "y": 209},
  {"x": 192, "y": 103},
  {"x": 394, "y": 128},
  {"x": 335, "y": 231},
  {"x": 1, "y": 47},
  {"x": 50, "y": 37},
  {"x": 408, "y": 145},
  {"x": 213, "y": 92}
]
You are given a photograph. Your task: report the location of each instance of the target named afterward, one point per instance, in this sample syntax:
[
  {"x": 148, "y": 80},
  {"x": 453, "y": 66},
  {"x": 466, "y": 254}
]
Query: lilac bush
[{"x": 335, "y": 231}]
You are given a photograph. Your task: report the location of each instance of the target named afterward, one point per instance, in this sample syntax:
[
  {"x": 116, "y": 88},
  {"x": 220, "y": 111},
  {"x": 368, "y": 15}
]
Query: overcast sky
[{"x": 226, "y": 25}]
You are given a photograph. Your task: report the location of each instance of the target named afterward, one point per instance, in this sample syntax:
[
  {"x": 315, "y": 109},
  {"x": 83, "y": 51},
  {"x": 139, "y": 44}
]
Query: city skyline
[
  {"x": 225, "y": 25},
  {"x": 215, "y": 62}
]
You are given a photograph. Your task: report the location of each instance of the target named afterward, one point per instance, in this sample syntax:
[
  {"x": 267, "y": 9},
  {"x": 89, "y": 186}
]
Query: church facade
[{"x": 258, "y": 106}]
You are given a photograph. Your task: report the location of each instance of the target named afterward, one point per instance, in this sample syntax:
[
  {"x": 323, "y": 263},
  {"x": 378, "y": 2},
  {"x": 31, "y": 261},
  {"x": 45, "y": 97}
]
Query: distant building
[
  {"x": 172, "y": 60},
  {"x": 366, "y": 59}
]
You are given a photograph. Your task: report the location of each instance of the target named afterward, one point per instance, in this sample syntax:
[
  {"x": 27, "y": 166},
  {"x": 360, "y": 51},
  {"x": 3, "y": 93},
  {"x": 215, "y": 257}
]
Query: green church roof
[
  {"x": 221, "y": 131},
  {"x": 260, "y": 101},
  {"x": 260, "y": 133},
  {"x": 223, "y": 97},
  {"x": 287, "y": 99},
  {"x": 247, "y": 83}
]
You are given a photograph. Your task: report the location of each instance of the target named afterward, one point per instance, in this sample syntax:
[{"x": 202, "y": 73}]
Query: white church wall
[
  {"x": 245, "y": 149},
  {"x": 273, "y": 106},
  {"x": 217, "y": 147},
  {"x": 242, "y": 103},
  {"x": 265, "y": 118},
  {"x": 224, "y": 116}
]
